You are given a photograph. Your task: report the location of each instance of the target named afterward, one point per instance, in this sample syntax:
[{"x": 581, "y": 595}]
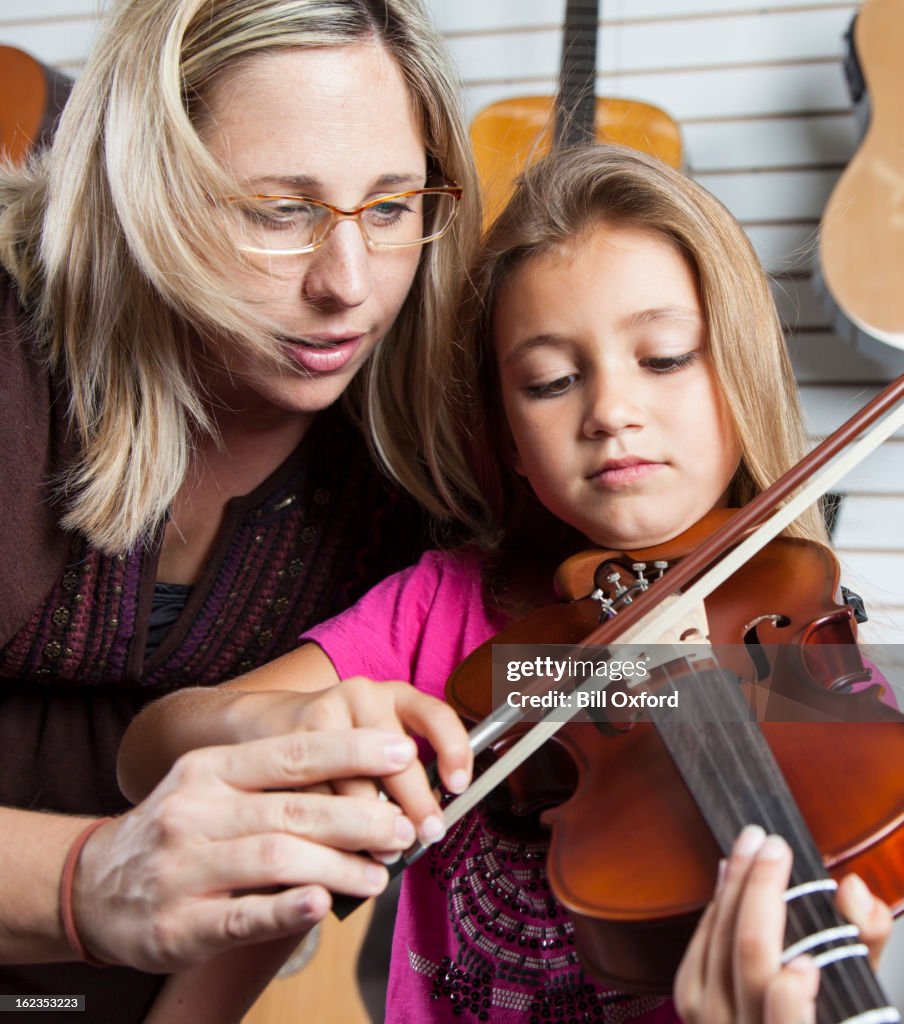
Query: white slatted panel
[{"x": 58, "y": 32}]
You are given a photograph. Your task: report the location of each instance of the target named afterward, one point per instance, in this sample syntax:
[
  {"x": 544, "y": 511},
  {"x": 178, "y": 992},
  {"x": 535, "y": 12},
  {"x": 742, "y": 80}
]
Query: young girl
[{"x": 621, "y": 372}]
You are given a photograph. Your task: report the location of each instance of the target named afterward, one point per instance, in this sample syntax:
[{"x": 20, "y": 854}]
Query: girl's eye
[
  {"x": 670, "y": 364},
  {"x": 551, "y": 388}
]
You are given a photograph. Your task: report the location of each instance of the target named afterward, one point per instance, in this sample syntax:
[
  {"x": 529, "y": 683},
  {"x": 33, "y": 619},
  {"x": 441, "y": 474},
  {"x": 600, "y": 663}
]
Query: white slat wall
[{"x": 758, "y": 89}]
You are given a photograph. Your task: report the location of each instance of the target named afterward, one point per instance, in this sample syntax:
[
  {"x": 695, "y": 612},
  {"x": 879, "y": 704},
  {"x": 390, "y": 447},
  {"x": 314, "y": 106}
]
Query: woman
[{"x": 229, "y": 234}]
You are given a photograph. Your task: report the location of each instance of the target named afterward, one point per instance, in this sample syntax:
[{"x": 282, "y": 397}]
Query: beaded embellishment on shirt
[{"x": 515, "y": 957}]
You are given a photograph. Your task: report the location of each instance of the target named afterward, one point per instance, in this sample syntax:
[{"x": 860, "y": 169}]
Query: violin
[
  {"x": 632, "y": 856},
  {"x": 639, "y": 811}
]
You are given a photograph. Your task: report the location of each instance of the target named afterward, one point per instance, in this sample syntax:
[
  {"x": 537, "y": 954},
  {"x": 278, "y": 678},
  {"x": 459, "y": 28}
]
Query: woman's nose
[{"x": 339, "y": 271}]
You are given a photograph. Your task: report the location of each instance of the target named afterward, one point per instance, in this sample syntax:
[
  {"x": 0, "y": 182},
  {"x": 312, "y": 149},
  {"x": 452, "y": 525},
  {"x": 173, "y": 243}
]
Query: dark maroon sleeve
[{"x": 32, "y": 547}]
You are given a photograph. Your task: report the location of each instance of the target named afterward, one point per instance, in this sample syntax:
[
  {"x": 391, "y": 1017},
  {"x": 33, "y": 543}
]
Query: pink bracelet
[{"x": 67, "y": 879}]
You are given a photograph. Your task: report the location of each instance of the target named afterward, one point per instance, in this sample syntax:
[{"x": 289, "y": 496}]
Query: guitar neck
[{"x": 575, "y": 111}]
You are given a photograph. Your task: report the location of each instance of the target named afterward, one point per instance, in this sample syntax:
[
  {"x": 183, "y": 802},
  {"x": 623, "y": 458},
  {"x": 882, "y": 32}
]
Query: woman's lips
[
  {"x": 623, "y": 472},
  {"x": 323, "y": 355}
]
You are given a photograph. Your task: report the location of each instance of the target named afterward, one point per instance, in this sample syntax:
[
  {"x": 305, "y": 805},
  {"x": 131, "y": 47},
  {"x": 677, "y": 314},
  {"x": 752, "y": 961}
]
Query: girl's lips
[
  {"x": 323, "y": 356},
  {"x": 624, "y": 474}
]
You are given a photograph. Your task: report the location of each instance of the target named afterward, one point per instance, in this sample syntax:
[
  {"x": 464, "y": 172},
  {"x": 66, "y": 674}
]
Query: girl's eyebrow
[
  {"x": 527, "y": 345},
  {"x": 647, "y": 316},
  {"x": 680, "y": 314}
]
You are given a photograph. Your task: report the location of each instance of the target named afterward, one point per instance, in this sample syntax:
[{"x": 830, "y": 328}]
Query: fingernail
[
  {"x": 387, "y": 858},
  {"x": 458, "y": 781},
  {"x": 400, "y": 752},
  {"x": 859, "y": 894},
  {"x": 802, "y": 964},
  {"x": 750, "y": 839},
  {"x": 774, "y": 848},
  {"x": 431, "y": 829},
  {"x": 376, "y": 876},
  {"x": 404, "y": 830},
  {"x": 720, "y": 875}
]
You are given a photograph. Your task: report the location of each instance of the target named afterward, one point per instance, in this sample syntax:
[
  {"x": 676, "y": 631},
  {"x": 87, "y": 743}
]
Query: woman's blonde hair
[
  {"x": 113, "y": 242},
  {"x": 557, "y": 200}
]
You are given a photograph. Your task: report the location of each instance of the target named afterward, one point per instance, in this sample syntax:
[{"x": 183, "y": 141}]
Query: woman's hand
[
  {"x": 732, "y": 970},
  {"x": 226, "y": 851}
]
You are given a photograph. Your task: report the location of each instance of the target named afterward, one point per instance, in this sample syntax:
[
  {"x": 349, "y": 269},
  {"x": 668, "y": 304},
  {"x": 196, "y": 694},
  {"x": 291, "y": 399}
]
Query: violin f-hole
[{"x": 761, "y": 666}]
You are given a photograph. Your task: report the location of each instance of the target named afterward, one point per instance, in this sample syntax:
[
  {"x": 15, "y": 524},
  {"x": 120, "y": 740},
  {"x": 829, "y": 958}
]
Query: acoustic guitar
[
  {"x": 31, "y": 98},
  {"x": 861, "y": 236},
  {"x": 509, "y": 135},
  {"x": 319, "y": 981}
]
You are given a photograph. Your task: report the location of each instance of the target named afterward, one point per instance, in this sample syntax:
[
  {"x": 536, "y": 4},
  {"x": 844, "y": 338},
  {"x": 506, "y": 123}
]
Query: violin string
[
  {"x": 851, "y": 982},
  {"x": 847, "y": 988}
]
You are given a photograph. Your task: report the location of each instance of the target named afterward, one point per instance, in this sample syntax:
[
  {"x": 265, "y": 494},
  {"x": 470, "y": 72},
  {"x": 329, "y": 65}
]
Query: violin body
[{"x": 631, "y": 855}]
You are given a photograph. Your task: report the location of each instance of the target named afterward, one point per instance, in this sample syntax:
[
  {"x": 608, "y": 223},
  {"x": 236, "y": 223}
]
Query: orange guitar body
[
  {"x": 510, "y": 135},
  {"x": 861, "y": 244},
  {"x": 326, "y": 987},
  {"x": 31, "y": 96}
]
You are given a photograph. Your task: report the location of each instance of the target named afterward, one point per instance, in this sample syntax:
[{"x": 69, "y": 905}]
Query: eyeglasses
[{"x": 291, "y": 225}]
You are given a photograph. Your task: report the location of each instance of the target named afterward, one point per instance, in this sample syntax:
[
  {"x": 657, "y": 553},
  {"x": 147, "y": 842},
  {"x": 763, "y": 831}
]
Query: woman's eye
[
  {"x": 387, "y": 214},
  {"x": 281, "y": 214},
  {"x": 551, "y": 388},
  {"x": 669, "y": 364}
]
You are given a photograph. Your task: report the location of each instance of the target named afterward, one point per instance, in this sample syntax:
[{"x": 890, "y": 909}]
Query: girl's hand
[
  {"x": 226, "y": 851},
  {"x": 732, "y": 970},
  {"x": 387, "y": 706}
]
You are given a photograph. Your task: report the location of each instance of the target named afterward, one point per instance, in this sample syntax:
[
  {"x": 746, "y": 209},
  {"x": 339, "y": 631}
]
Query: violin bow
[{"x": 654, "y": 613}]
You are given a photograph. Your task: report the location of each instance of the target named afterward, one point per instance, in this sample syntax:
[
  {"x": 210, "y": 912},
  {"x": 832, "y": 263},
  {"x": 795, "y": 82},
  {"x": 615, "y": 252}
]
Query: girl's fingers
[
  {"x": 441, "y": 727},
  {"x": 760, "y": 927},
  {"x": 791, "y": 996},
  {"x": 399, "y": 705},
  {"x": 735, "y": 953},
  {"x": 719, "y": 994},
  {"x": 868, "y": 912},
  {"x": 691, "y": 976}
]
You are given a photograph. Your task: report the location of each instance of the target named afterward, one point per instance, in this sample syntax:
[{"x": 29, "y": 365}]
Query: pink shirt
[{"x": 478, "y": 934}]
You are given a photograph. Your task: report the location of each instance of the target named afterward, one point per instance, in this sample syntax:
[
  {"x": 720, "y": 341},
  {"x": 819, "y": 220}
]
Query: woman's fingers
[
  {"x": 198, "y": 931},
  {"x": 867, "y": 912},
  {"x": 300, "y": 759},
  {"x": 260, "y": 862}
]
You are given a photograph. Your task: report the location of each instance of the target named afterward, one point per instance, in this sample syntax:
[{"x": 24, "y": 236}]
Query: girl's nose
[
  {"x": 339, "y": 271},
  {"x": 612, "y": 406}
]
